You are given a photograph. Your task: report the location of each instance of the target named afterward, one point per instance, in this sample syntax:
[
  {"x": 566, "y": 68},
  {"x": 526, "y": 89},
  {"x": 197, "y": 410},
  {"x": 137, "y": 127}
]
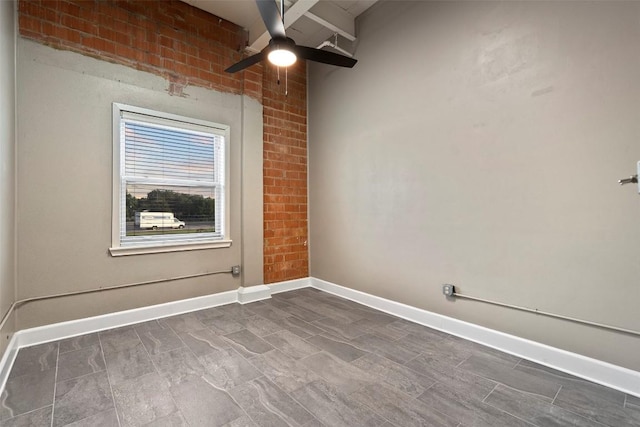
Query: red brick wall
[
  {"x": 170, "y": 38},
  {"x": 188, "y": 46},
  {"x": 285, "y": 175}
]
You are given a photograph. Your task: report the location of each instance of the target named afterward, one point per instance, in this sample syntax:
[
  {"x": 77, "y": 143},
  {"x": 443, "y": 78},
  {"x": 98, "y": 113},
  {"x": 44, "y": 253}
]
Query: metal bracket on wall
[{"x": 633, "y": 179}]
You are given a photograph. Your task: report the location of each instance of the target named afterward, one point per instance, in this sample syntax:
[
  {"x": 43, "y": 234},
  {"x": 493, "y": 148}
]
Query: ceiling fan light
[{"x": 282, "y": 57}]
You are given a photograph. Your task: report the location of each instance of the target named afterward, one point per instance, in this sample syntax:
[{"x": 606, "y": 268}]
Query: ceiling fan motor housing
[{"x": 282, "y": 52}]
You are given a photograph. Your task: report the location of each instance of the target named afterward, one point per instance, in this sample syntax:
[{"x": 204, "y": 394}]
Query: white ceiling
[{"x": 308, "y": 22}]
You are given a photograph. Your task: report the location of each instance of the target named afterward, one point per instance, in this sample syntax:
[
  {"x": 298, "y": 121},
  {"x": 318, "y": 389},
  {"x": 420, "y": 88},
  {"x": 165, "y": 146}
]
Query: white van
[{"x": 155, "y": 220}]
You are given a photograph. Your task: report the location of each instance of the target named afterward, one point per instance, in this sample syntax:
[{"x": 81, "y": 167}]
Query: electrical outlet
[
  {"x": 235, "y": 270},
  {"x": 448, "y": 290}
]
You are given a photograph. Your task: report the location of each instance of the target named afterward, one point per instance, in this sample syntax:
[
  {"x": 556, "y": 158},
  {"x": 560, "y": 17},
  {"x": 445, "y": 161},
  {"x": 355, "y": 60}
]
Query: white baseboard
[
  {"x": 607, "y": 374},
  {"x": 604, "y": 373},
  {"x": 72, "y": 328},
  {"x": 290, "y": 285},
  {"x": 253, "y": 293},
  {"x": 6, "y": 363}
]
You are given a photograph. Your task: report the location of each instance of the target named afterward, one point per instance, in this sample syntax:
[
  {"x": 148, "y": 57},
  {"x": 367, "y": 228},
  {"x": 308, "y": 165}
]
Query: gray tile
[
  {"x": 500, "y": 371},
  {"x": 115, "y": 340},
  {"x": 632, "y": 402},
  {"x": 387, "y": 331},
  {"x": 213, "y": 407},
  {"x": 340, "y": 329},
  {"x": 172, "y": 420},
  {"x": 178, "y": 365},
  {"x": 83, "y": 397},
  {"x": 305, "y": 292},
  {"x": 435, "y": 355},
  {"x": 259, "y": 326},
  {"x": 299, "y": 327},
  {"x": 106, "y": 418},
  {"x": 371, "y": 326},
  {"x": 268, "y": 405},
  {"x": 373, "y": 317},
  {"x": 585, "y": 397},
  {"x": 333, "y": 407},
  {"x": 552, "y": 375},
  {"x": 226, "y": 369},
  {"x": 288, "y": 373},
  {"x": 384, "y": 376},
  {"x": 243, "y": 421},
  {"x": 324, "y": 310},
  {"x": 151, "y": 325},
  {"x": 462, "y": 382},
  {"x": 397, "y": 376},
  {"x": 316, "y": 423},
  {"x": 129, "y": 363},
  {"x": 143, "y": 400},
  {"x": 598, "y": 403},
  {"x": 297, "y": 311},
  {"x": 27, "y": 392},
  {"x": 38, "y": 418},
  {"x": 203, "y": 341},
  {"x": 467, "y": 410},
  {"x": 79, "y": 342},
  {"x": 208, "y": 313},
  {"x": 236, "y": 311},
  {"x": 183, "y": 323},
  {"x": 39, "y": 358},
  {"x": 423, "y": 332},
  {"x": 247, "y": 343},
  {"x": 336, "y": 301},
  {"x": 268, "y": 311},
  {"x": 385, "y": 347},
  {"x": 160, "y": 340},
  {"x": 222, "y": 324},
  {"x": 346, "y": 377},
  {"x": 283, "y": 296},
  {"x": 339, "y": 347},
  {"x": 535, "y": 410},
  {"x": 291, "y": 344},
  {"x": 471, "y": 348},
  {"x": 399, "y": 408},
  {"x": 80, "y": 362}
]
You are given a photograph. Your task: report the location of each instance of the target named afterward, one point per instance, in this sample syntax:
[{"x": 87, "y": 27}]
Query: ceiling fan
[{"x": 283, "y": 51}]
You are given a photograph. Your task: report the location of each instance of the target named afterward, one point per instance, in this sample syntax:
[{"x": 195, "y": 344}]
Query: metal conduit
[
  {"x": 105, "y": 288},
  {"x": 546, "y": 313}
]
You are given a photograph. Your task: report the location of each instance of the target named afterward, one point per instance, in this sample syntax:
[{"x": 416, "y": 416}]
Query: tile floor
[{"x": 302, "y": 358}]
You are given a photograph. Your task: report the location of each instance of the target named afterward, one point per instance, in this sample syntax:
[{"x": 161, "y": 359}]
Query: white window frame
[{"x": 159, "y": 244}]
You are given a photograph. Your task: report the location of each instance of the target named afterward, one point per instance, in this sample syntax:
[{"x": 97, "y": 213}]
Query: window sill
[{"x": 158, "y": 249}]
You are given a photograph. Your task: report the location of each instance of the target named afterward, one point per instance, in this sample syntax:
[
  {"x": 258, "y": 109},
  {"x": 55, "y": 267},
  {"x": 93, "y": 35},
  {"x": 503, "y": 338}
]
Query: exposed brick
[
  {"x": 67, "y": 34},
  {"x": 285, "y": 185},
  {"x": 29, "y": 23},
  {"x": 75, "y": 23}
]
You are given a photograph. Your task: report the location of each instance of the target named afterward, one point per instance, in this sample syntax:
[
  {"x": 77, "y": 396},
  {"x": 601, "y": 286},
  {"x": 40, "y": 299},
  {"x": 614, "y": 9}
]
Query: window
[{"x": 169, "y": 182}]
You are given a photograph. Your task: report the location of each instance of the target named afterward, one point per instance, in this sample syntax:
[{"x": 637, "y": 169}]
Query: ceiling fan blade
[
  {"x": 324, "y": 56},
  {"x": 271, "y": 17},
  {"x": 247, "y": 62}
]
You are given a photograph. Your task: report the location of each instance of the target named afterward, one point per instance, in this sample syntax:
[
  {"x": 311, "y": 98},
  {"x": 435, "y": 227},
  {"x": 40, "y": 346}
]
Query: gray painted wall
[
  {"x": 7, "y": 164},
  {"x": 479, "y": 144},
  {"x": 65, "y": 185}
]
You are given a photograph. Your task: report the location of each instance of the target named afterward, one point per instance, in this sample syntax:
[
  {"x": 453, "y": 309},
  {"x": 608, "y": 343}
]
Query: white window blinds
[{"x": 172, "y": 180}]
